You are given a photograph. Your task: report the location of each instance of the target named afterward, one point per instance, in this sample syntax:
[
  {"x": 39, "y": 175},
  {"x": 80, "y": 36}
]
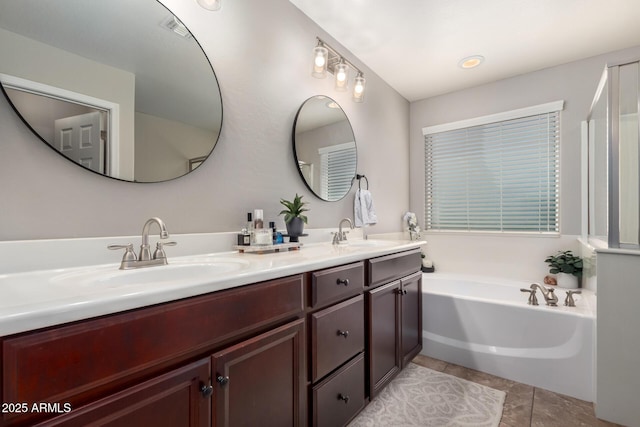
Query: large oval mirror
[
  {"x": 324, "y": 148},
  {"x": 119, "y": 87}
]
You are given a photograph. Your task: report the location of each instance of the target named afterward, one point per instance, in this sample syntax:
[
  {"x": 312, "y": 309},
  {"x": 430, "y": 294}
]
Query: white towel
[{"x": 363, "y": 212}]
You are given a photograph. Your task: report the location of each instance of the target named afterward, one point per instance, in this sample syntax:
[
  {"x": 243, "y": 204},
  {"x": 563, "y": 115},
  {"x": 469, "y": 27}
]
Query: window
[
  {"x": 337, "y": 163},
  {"x": 495, "y": 173}
]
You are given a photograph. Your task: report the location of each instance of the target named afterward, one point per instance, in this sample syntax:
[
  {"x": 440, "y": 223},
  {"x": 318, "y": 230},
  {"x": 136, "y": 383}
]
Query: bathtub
[{"x": 487, "y": 325}]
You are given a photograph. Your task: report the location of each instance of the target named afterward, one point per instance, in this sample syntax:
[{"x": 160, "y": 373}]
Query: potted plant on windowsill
[
  {"x": 567, "y": 267},
  {"x": 293, "y": 216}
]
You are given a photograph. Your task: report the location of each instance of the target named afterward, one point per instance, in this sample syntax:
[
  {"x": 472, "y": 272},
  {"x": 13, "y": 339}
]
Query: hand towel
[{"x": 363, "y": 211}]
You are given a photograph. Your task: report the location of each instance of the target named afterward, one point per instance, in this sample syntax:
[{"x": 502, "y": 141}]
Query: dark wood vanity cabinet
[
  {"x": 115, "y": 361},
  {"x": 307, "y": 349},
  {"x": 394, "y": 316}
]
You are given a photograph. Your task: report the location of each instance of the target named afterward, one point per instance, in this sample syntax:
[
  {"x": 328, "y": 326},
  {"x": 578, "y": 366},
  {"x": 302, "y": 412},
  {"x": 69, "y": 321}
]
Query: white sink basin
[
  {"x": 369, "y": 243},
  {"x": 179, "y": 273}
]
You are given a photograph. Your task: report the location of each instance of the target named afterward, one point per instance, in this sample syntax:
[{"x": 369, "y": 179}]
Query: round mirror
[
  {"x": 120, "y": 87},
  {"x": 324, "y": 148}
]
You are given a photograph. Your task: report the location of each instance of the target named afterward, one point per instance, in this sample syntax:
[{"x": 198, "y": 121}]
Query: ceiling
[{"x": 416, "y": 45}]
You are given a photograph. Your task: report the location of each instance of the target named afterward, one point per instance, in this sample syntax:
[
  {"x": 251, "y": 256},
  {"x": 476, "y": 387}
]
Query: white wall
[
  {"x": 261, "y": 52},
  {"x": 575, "y": 83}
]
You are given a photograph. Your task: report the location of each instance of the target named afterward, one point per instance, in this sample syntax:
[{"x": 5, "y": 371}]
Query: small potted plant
[
  {"x": 293, "y": 216},
  {"x": 567, "y": 267}
]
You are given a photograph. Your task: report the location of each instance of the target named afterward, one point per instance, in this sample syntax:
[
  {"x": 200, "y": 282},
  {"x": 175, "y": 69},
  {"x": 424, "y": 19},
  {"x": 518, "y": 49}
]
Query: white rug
[{"x": 420, "y": 396}]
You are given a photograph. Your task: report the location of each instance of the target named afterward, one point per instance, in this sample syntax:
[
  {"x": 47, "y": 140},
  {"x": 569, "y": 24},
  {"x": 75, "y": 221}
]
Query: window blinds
[
  {"x": 500, "y": 176},
  {"x": 337, "y": 166}
]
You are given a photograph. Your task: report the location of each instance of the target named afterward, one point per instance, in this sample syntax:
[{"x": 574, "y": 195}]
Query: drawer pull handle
[
  {"x": 343, "y": 398},
  {"x": 342, "y": 282},
  {"x": 343, "y": 333},
  {"x": 222, "y": 380},
  {"x": 206, "y": 390}
]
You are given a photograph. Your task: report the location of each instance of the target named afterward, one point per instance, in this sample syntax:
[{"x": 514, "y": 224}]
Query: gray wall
[{"x": 261, "y": 52}]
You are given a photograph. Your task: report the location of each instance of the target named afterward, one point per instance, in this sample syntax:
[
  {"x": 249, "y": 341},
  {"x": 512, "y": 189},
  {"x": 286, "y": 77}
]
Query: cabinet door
[
  {"x": 178, "y": 398},
  {"x": 384, "y": 335},
  {"x": 261, "y": 381},
  {"x": 411, "y": 308}
]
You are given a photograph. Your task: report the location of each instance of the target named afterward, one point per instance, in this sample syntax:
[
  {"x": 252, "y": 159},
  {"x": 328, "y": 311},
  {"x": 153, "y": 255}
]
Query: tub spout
[{"x": 548, "y": 294}]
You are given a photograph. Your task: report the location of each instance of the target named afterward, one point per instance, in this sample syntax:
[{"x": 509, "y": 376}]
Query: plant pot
[
  {"x": 567, "y": 281},
  {"x": 295, "y": 228}
]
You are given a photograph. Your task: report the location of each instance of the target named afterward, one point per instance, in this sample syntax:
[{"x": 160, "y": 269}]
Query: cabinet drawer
[
  {"x": 82, "y": 361},
  {"x": 334, "y": 284},
  {"x": 387, "y": 268},
  {"x": 337, "y": 334},
  {"x": 340, "y": 397}
]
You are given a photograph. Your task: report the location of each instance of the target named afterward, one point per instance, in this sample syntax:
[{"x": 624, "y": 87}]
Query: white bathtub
[{"x": 486, "y": 324}]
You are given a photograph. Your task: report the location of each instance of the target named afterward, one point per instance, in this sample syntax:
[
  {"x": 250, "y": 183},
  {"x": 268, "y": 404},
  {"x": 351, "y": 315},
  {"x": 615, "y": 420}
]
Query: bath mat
[{"x": 420, "y": 396}]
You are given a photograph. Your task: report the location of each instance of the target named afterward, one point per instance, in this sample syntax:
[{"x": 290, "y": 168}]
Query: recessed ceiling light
[{"x": 471, "y": 61}]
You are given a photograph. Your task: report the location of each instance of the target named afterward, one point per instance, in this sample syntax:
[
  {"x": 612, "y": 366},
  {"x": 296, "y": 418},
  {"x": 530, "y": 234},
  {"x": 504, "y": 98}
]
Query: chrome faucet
[
  {"x": 145, "y": 253},
  {"x": 144, "y": 258},
  {"x": 548, "y": 294},
  {"x": 341, "y": 236}
]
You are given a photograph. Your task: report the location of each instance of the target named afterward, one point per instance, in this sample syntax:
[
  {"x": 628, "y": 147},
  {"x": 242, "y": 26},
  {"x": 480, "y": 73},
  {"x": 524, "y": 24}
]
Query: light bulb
[
  {"x": 341, "y": 71},
  {"x": 358, "y": 88},
  {"x": 320, "y": 55}
]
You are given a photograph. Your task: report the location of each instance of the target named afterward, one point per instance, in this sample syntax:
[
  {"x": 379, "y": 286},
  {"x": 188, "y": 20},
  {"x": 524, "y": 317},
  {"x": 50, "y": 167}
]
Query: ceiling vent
[{"x": 173, "y": 24}]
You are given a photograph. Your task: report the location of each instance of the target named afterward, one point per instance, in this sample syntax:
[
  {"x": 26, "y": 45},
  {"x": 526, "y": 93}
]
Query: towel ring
[{"x": 359, "y": 178}]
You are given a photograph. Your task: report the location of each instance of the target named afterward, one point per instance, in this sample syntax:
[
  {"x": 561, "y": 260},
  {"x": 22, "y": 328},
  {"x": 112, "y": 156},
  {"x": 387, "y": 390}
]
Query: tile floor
[{"x": 525, "y": 405}]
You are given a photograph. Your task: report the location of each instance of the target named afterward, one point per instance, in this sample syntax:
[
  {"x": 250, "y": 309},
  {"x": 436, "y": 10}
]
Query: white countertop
[{"x": 32, "y": 300}]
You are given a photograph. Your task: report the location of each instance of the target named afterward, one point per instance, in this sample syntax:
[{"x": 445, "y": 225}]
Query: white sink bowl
[
  {"x": 181, "y": 273},
  {"x": 369, "y": 243}
]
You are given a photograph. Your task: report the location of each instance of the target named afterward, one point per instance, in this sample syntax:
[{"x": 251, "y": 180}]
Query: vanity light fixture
[
  {"x": 341, "y": 73},
  {"x": 471, "y": 61},
  {"x": 326, "y": 58},
  {"x": 210, "y": 4},
  {"x": 320, "y": 61},
  {"x": 358, "y": 88}
]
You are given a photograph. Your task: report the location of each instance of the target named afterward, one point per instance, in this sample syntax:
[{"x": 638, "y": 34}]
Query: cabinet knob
[
  {"x": 342, "y": 282},
  {"x": 343, "y": 398},
  {"x": 343, "y": 333},
  {"x": 222, "y": 380},
  {"x": 206, "y": 390}
]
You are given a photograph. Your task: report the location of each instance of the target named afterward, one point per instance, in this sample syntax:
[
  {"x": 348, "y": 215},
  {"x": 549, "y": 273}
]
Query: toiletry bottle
[
  {"x": 257, "y": 218},
  {"x": 274, "y": 233},
  {"x": 250, "y": 228}
]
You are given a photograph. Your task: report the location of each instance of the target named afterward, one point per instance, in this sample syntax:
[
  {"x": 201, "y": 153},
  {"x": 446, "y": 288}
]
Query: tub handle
[
  {"x": 569, "y": 301},
  {"x": 533, "y": 300}
]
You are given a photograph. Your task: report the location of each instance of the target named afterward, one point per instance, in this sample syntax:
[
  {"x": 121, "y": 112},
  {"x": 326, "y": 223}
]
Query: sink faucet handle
[
  {"x": 569, "y": 301},
  {"x": 129, "y": 254},
  {"x": 159, "y": 252}
]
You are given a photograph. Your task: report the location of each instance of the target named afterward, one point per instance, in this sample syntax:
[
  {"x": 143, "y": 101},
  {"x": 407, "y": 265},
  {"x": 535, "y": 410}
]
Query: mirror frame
[{"x": 295, "y": 152}]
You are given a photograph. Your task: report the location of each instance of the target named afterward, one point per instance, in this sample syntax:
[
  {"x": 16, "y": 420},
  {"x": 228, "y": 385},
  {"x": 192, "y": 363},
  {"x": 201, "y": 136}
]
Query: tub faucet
[
  {"x": 144, "y": 258},
  {"x": 341, "y": 236},
  {"x": 548, "y": 294}
]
